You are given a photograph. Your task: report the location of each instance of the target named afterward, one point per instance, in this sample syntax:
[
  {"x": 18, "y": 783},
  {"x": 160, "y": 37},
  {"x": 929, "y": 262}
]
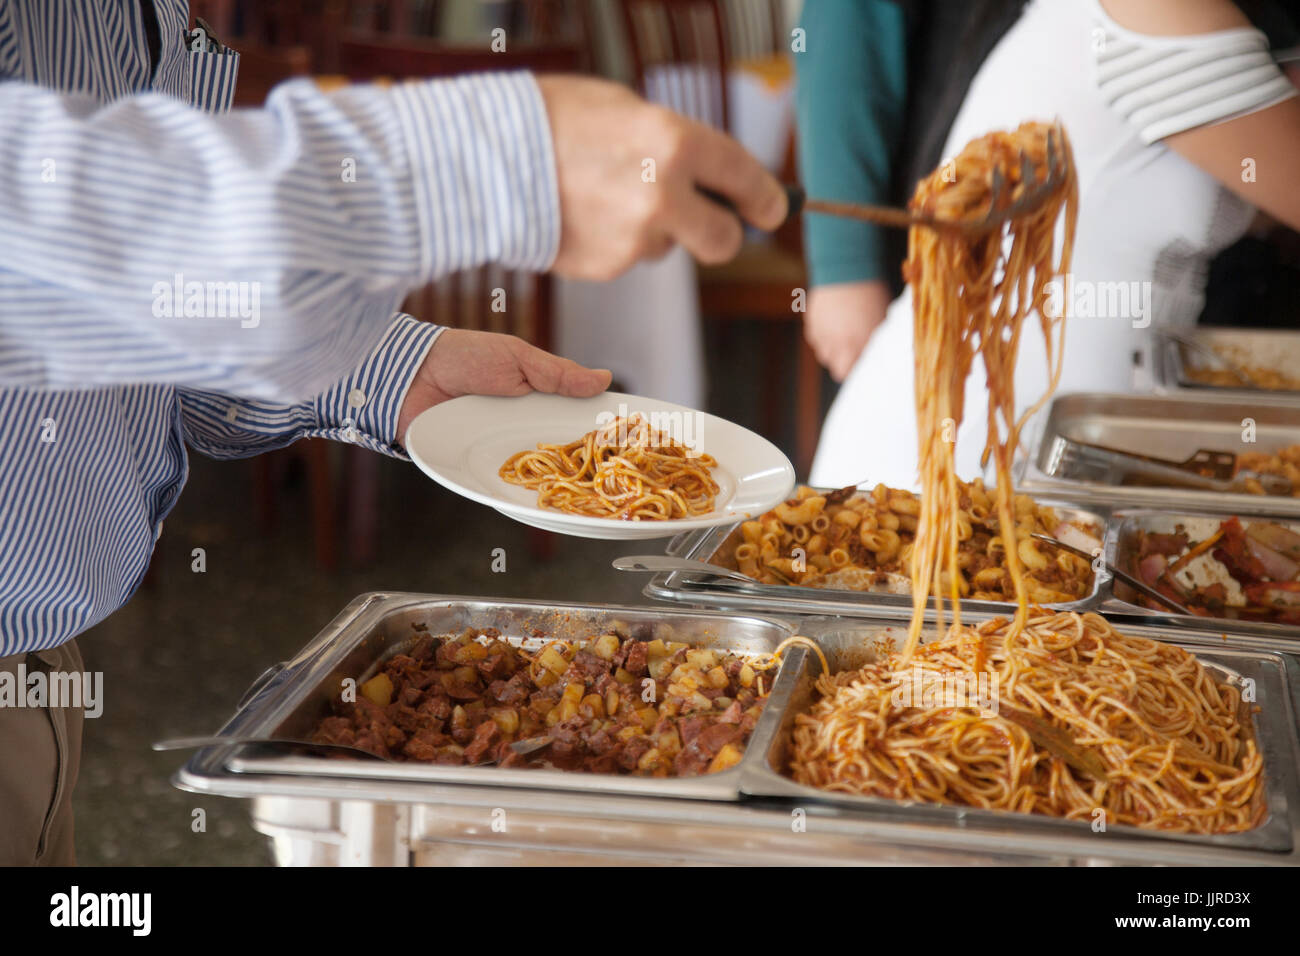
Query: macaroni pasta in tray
[
  {"x": 1284, "y": 463},
  {"x": 862, "y": 540}
]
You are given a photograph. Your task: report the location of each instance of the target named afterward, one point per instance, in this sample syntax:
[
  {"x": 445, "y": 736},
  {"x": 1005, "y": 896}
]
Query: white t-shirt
[{"x": 1149, "y": 220}]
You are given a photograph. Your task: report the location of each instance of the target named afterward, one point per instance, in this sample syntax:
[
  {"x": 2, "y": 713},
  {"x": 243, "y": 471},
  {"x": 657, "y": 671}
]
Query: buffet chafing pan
[
  {"x": 1276, "y": 349},
  {"x": 1163, "y": 426},
  {"x": 718, "y": 546},
  {"x": 1108, "y": 597},
  {"x": 323, "y": 817},
  {"x": 1121, "y": 551},
  {"x": 377, "y": 626},
  {"x": 847, "y": 645}
]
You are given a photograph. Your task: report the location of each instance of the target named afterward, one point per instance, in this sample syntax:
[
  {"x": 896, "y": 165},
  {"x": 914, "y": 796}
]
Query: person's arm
[
  {"x": 260, "y": 252},
  {"x": 1252, "y": 154},
  {"x": 415, "y": 366},
  {"x": 1269, "y": 140},
  {"x": 294, "y": 231},
  {"x": 362, "y": 408},
  {"x": 849, "y": 102}
]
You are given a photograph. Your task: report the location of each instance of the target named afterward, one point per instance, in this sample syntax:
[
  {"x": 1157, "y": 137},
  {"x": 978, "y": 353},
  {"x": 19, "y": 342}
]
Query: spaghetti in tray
[{"x": 1172, "y": 747}]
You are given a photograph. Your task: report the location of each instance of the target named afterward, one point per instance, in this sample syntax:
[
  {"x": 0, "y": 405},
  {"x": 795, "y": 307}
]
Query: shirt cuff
[
  {"x": 484, "y": 171},
  {"x": 363, "y": 408}
]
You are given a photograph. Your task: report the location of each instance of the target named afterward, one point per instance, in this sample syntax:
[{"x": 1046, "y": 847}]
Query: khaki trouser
[{"x": 40, "y": 752}]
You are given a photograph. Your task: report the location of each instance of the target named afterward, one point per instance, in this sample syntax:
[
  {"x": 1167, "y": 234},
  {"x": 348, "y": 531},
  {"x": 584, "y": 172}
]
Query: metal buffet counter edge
[{"x": 339, "y": 812}]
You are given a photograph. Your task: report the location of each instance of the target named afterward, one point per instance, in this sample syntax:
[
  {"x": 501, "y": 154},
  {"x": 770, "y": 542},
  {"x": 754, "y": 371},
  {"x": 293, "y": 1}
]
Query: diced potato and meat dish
[{"x": 615, "y": 704}]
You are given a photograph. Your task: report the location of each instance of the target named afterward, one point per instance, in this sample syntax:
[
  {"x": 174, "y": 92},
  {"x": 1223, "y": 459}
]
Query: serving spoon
[
  {"x": 521, "y": 747},
  {"x": 661, "y": 562}
]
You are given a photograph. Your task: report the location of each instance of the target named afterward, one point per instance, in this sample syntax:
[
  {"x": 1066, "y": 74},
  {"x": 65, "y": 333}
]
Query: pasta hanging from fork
[{"x": 971, "y": 295}]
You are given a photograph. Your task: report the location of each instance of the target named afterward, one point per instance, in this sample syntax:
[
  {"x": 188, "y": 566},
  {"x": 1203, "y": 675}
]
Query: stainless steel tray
[
  {"x": 1277, "y": 349},
  {"x": 377, "y": 626},
  {"x": 1165, "y": 426},
  {"x": 340, "y": 814},
  {"x": 1121, "y": 600},
  {"x": 847, "y": 645},
  {"x": 710, "y": 545},
  {"x": 717, "y": 546}
]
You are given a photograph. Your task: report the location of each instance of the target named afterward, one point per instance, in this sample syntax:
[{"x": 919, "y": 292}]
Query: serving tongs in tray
[
  {"x": 1210, "y": 470},
  {"x": 1188, "y": 343}
]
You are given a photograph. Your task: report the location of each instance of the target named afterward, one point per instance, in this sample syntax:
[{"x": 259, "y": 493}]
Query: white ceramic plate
[{"x": 461, "y": 444}]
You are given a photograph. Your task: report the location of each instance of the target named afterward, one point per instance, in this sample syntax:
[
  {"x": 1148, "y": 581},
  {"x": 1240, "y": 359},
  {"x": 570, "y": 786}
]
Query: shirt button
[
  {"x": 356, "y": 398},
  {"x": 232, "y": 414}
]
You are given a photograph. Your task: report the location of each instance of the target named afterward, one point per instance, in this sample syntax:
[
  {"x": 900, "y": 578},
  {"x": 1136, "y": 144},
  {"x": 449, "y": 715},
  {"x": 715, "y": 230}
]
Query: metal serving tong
[
  {"x": 1187, "y": 342},
  {"x": 1210, "y": 470},
  {"x": 1034, "y": 191},
  {"x": 1135, "y": 583}
]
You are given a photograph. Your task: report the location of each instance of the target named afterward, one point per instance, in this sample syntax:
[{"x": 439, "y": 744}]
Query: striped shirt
[
  {"x": 1169, "y": 84},
  {"x": 172, "y": 274}
]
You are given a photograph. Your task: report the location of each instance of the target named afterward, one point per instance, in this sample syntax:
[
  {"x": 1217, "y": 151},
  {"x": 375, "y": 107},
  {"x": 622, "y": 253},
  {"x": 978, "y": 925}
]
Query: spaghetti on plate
[{"x": 625, "y": 470}]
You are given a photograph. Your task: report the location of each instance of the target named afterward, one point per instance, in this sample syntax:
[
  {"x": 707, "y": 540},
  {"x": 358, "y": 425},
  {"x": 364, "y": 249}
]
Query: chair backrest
[
  {"x": 755, "y": 28},
  {"x": 542, "y": 36},
  {"x": 368, "y": 56},
  {"x": 679, "y": 55},
  {"x": 490, "y": 299}
]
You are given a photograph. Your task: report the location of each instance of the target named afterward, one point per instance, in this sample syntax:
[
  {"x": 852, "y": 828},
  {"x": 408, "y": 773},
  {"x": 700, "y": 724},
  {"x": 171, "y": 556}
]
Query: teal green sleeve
[{"x": 852, "y": 88}]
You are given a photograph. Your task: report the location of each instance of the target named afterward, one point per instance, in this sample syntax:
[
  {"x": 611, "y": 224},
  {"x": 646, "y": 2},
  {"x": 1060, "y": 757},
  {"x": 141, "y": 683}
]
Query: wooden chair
[{"x": 681, "y": 51}]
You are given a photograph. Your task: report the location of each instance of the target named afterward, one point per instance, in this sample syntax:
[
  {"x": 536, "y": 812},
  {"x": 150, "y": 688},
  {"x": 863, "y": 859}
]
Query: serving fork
[{"x": 1030, "y": 198}]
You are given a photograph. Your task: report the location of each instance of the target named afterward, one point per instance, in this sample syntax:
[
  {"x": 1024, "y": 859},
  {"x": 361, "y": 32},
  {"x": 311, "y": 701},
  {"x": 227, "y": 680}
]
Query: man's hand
[
  {"x": 840, "y": 320},
  {"x": 463, "y": 362},
  {"x": 611, "y": 217}
]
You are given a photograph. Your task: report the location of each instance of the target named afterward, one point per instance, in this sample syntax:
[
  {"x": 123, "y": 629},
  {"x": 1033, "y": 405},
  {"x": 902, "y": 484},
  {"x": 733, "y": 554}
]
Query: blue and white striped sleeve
[
  {"x": 258, "y": 253},
  {"x": 362, "y": 408}
]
